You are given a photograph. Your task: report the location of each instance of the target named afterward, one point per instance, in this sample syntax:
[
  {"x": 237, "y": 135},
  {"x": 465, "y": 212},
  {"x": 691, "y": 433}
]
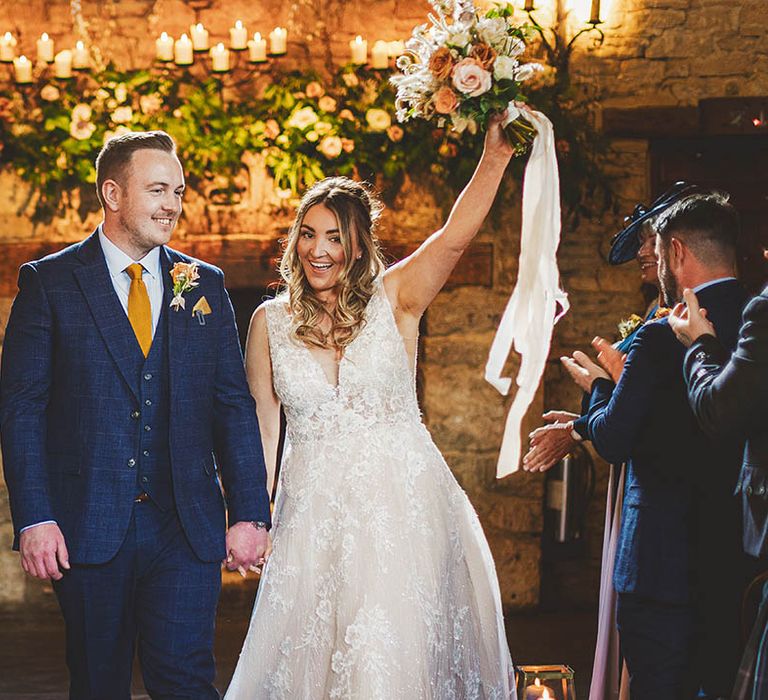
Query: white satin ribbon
[{"x": 531, "y": 311}]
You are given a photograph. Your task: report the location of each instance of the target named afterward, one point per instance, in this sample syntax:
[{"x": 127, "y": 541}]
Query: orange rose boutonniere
[{"x": 184, "y": 276}]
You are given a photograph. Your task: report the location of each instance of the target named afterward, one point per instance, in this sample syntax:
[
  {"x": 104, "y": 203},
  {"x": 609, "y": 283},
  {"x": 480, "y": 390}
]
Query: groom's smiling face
[{"x": 149, "y": 205}]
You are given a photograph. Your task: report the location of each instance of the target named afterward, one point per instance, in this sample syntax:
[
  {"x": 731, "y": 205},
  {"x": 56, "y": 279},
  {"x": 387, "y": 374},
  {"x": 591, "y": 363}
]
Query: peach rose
[
  {"x": 347, "y": 145},
  {"x": 484, "y": 54},
  {"x": 445, "y": 100},
  {"x": 330, "y": 147},
  {"x": 471, "y": 78},
  {"x": 441, "y": 63},
  {"x": 327, "y": 103},
  {"x": 314, "y": 89},
  {"x": 271, "y": 129},
  {"x": 395, "y": 133}
]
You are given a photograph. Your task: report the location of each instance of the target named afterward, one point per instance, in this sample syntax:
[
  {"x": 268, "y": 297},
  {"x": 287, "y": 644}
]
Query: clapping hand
[
  {"x": 583, "y": 371},
  {"x": 689, "y": 321},
  {"x": 610, "y": 359},
  {"x": 550, "y": 443}
]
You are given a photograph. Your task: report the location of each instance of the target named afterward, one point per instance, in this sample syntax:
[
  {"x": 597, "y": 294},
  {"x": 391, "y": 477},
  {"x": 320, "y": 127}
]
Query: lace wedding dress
[{"x": 381, "y": 585}]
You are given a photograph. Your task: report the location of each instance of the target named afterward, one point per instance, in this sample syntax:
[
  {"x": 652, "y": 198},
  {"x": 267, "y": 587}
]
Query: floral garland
[{"x": 305, "y": 126}]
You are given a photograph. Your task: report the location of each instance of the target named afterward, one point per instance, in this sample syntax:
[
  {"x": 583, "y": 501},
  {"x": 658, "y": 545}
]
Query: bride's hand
[{"x": 496, "y": 142}]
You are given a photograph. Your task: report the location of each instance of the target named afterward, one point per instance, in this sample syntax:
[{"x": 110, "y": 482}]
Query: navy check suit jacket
[{"x": 66, "y": 402}]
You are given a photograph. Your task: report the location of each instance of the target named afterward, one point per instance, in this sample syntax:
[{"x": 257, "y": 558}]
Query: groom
[{"x": 124, "y": 419}]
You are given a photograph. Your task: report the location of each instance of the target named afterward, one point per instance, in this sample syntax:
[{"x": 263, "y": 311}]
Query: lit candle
[
  {"x": 80, "y": 57},
  {"x": 199, "y": 36},
  {"x": 359, "y": 50},
  {"x": 528, "y": 6},
  {"x": 23, "y": 69},
  {"x": 182, "y": 51},
  {"x": 537, "y": 691},
  {"x": 380, "y": 55},
  {"x": 62, "y": 64},
  {"x": 220, "y": 58},
  {"x": 594, "y": 14},
  {"x": 278, "y": 40},
  {"x": 45, "y": 49},
  {"x": 396, "y": 48},
  {"x": 7, "y": 48},
  {"x": 238, "y": 37},
  {"x": 164, "y": 47},
  {"x": 257, "y": 49}
]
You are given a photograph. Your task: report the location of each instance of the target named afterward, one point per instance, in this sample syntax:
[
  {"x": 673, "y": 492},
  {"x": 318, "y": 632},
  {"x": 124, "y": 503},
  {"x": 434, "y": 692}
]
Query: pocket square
[
  {"x": 200, "y": 310},
  {"x": 202, "y": 307}
]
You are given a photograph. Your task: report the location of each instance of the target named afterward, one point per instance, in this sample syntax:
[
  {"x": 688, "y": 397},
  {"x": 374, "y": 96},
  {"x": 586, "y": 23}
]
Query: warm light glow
[
  {"x": 545, "y": 696},
  {"x": 537, "y": 683},
  {"x": 238, "y": 24},
  {"x": 44, "y": 37}
]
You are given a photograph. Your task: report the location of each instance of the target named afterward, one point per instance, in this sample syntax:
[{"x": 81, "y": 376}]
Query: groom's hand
[
  {"x": 43, "y": 552},
  {"x": 247, "y": 548}
]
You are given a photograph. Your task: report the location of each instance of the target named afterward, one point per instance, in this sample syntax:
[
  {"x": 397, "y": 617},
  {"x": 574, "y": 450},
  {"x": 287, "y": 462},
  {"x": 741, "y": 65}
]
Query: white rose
[
  {"x": 459, "y": 39},
  {"x": 492, "y": 30},
  {"x": 471, "y": 78},
  {"x": 378, "y": 119},
  {"x": 50, "y": 93},
  {"x": 122, "y": 115},
  {"x": 302, "y": 118},
  {"x": 504, "y": 68}
]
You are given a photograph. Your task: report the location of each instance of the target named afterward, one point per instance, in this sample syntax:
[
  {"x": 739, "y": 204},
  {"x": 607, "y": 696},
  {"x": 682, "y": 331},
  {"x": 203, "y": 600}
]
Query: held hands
[
  {"x": 583, "y": 371},
  {"x": 43, "y": 552},
  {"x": 248, "y": 548},
  {"x": 550, "y": 443},
  {"x": 688, "y": 320}
]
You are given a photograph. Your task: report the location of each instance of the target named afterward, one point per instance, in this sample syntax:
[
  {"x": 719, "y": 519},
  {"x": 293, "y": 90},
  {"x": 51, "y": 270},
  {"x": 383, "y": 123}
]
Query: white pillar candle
[
  {"x": 164, "y": 47},
  {"x": 380, "y": 55},
  {"x": 257, "y": 49},
  {"x": 182, "y": 51},
  {"x": 7, "y": 47},
  {"x": 220, "y": 58},
  {"x": 238, "y": 36},
  {"x": 45, "y": 49},
  {"x": 359, "y": 50},
  {"x": 199, "y": 36},
  {"x": 396, "y": 48},
  {"x": 80, "y": 57},
  {"x": 23, "y": 69},
  {"x": 278, "y": 40},
  {"x": 62, "y": 64}
]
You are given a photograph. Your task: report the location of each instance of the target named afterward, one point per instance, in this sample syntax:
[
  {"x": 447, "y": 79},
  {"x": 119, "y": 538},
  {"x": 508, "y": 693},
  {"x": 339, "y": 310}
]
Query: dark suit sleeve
[
  {"x": 728, "y": 395},
  {"x": 617, "y": 412},
  {"x": 237, "y": 441},
  {"x": 25, "y": 380}
]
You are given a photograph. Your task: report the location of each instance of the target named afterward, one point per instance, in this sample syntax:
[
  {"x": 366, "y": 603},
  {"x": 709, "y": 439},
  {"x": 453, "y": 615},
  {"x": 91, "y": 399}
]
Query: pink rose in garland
[{"x": 471, "y": 78}]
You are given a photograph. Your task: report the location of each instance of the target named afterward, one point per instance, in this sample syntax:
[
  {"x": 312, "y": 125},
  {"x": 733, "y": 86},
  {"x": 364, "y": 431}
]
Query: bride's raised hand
[{"x": 496, "y": 142}]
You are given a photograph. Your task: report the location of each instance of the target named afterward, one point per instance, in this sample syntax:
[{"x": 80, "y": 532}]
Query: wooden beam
[{"x": 249, "y": 263}]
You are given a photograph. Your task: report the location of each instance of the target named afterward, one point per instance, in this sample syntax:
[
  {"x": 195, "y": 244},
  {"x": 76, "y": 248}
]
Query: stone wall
[{"x": 656, "y": 52}]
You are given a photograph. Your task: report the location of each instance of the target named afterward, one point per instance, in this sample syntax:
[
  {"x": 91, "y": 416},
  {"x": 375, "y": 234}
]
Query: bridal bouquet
[{"x": 462, "y": 67}]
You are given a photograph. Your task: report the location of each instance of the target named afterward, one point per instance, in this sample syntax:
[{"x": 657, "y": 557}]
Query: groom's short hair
[{"x": 115, "y": 156}]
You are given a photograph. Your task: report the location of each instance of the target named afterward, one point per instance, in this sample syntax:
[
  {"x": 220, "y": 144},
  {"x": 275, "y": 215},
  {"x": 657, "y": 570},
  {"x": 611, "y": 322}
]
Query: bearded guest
[
  {"x": 677, "y": 562},
  {"x": 727, "y": 396},
  {"x": 552, "y": 442}
]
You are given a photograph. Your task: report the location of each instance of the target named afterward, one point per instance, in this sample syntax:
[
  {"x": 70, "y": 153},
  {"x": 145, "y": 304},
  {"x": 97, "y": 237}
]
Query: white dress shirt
[{"x": 117, "y": 262}]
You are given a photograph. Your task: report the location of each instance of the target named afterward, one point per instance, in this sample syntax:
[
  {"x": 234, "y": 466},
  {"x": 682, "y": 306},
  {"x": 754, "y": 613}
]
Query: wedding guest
[
  {"x": 678, "y": 592},
  {"x": 727, "y": 396}
]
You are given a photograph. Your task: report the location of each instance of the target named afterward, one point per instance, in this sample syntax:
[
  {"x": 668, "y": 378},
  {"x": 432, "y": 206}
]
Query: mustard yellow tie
[{"x": 139, "y": 310}]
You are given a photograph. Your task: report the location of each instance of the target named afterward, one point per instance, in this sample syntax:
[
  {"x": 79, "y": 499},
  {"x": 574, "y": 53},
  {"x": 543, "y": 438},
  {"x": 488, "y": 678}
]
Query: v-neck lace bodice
[{"x": 376, "y": 384}]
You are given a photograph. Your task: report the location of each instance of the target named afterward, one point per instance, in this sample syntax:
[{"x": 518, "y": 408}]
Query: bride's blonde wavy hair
[{"x": 357, "y": 211}]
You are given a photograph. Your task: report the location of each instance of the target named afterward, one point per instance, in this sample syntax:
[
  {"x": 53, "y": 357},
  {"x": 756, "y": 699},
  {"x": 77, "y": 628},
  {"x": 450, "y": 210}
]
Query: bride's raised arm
[{"x": 414, "y": 282}]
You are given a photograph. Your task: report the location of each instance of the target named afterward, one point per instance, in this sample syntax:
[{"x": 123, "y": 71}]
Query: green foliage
[{"x": 305, "y": 126}]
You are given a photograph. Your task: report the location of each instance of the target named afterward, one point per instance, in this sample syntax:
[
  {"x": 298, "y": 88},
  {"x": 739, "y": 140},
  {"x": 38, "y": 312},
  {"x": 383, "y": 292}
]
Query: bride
[{"x": 380, "y": 584}]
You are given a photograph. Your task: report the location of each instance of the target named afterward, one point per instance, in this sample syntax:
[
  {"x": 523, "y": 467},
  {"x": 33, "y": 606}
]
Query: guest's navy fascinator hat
[{"x": 626, "y": 243}]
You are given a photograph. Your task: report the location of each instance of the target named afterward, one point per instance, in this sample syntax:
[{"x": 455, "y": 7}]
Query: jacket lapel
[
  {"x": 178, "y": 323},
  {"x": 111, "y": 320}
]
